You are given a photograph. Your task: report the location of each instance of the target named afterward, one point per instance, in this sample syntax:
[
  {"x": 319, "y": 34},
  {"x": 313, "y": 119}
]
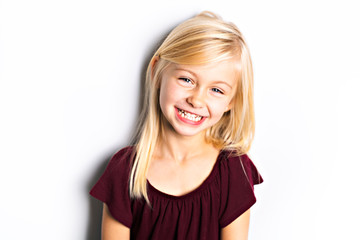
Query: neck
[{"x": 181, "y": 148}]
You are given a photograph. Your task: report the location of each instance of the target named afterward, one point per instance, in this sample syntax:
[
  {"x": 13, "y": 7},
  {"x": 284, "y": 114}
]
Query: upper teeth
[{"x": 190, "y": 116}]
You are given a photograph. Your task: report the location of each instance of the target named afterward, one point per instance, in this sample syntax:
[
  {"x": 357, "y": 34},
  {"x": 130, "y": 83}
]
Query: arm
[
  {"x": 112, "y": 229},
  {"x": 238, "y": 229}
]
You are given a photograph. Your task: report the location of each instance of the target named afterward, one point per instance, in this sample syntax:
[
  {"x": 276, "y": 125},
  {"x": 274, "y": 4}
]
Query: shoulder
[
  {"x": 238, "y": 175},
  {"x": 112, "y": 187},
  {"x": 240, "y": 166},
  {"x": 119, "y": 165},
  {"x": 234, "y": 158},
  {"x": 122, "y": 158},
  {"x": 114, "y": 179},
  {"x": 124, "y": 153}
]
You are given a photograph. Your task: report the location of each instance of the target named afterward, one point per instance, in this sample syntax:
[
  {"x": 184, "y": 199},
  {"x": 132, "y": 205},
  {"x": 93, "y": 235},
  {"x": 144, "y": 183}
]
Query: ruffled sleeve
[
  {"x": 238, "y": 177},
  {"x": 112, "y": 187}
]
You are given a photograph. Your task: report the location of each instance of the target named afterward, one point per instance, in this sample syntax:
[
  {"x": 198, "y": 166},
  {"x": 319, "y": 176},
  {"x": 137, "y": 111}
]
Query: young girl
[{"x": 187, "y": 176}]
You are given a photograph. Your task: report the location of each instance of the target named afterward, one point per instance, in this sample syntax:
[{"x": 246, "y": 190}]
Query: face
[{"x": 194, "y": 97}]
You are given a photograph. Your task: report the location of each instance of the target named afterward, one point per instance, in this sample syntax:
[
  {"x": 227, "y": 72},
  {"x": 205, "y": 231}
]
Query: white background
[{"x": 69, "y": 98}]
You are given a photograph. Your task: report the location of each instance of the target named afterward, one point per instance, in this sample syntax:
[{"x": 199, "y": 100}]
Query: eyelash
[
  {"x": 217, "y": 90},
  {"x": 188, "y": 80}
]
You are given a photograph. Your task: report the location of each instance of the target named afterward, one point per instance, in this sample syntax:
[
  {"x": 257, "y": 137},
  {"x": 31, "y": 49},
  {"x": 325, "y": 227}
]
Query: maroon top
[{"x": 224, "y": 195}]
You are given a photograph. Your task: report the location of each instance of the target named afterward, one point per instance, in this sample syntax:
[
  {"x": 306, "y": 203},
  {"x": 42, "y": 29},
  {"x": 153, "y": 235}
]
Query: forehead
[{"x": 220, "y": 71}]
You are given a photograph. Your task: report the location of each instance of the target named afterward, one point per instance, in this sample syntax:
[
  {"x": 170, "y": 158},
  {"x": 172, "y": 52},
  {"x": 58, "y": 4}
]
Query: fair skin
[
  {"x": 192, "y": 99},
  {"x": 111, "y": 229},
  {"x": 201, "y": 94}
]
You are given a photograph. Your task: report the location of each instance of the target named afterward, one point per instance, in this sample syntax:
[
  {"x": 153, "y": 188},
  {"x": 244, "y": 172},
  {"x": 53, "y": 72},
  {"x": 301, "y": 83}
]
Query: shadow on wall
[{"x": 95, "y": 206}]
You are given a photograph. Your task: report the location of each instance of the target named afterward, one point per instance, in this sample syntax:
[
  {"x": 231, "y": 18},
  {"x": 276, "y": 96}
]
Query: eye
[
  {"x": 216, "y": 90},
  {"x": 187, "y": 80}
]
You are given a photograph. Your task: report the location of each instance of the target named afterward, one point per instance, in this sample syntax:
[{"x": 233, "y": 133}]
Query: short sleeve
[
  {"x": 238, "y": 177},
  {"x": 112, "y": 187}
]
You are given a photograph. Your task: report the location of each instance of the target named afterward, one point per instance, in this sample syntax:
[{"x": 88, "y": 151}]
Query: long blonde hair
[{"x": 203, "y": 39}]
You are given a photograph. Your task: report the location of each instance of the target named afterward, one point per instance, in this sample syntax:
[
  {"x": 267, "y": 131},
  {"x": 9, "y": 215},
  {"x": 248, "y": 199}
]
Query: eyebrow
[
  {"x": 224, "y": 83},
  {"x": 194, "y": 74},
  {"x": 186, "y": 70}
]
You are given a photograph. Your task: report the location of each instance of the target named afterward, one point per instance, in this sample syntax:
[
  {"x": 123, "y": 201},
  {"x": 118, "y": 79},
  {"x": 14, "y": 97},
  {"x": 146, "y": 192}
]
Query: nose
[{"x": 197, "y": 98}]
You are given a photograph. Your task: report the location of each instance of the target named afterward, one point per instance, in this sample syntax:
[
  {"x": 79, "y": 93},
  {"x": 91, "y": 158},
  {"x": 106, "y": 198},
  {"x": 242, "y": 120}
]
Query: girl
[{"x": 187, "y": 175}]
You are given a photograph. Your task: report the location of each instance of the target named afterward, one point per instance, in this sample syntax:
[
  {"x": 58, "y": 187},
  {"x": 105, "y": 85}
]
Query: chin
[{"x": 185, "y": 133}]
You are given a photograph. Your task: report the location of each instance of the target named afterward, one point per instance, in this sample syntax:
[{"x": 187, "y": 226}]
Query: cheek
[
  {"x": 219, "y": 107},
  {"x": 170, "y": 93},
  {"x": 162, "y": 98},
  {"x": 166, "y": 95}
]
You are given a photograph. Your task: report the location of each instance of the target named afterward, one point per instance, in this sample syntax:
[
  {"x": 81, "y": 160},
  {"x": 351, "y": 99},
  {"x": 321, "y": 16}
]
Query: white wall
[{"x": 69, "y": 98}]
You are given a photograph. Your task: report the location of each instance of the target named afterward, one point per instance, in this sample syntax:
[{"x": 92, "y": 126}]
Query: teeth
[{"x": 190, "y": 116}]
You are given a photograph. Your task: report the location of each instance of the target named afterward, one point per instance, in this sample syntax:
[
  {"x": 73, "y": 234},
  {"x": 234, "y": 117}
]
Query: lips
[{"x": 189, "y": 117}]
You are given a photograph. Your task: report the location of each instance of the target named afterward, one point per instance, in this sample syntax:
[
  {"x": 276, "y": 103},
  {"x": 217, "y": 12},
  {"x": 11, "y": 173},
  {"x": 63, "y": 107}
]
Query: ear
[
  {"x": 154, "y": 61},
  {"x": 230, "y": 105}
]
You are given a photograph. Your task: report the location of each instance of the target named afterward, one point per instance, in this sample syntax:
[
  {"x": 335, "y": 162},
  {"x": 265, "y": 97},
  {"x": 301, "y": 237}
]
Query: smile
[{"x": 189, "y": 116}]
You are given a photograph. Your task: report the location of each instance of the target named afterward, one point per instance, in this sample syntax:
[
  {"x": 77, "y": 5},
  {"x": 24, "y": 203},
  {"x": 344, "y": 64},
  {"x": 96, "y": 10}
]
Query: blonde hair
[{"x": 203, "y": 39}]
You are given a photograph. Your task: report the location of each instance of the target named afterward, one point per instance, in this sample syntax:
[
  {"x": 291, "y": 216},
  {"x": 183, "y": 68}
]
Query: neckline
[{"x": 195, "y": 191}]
